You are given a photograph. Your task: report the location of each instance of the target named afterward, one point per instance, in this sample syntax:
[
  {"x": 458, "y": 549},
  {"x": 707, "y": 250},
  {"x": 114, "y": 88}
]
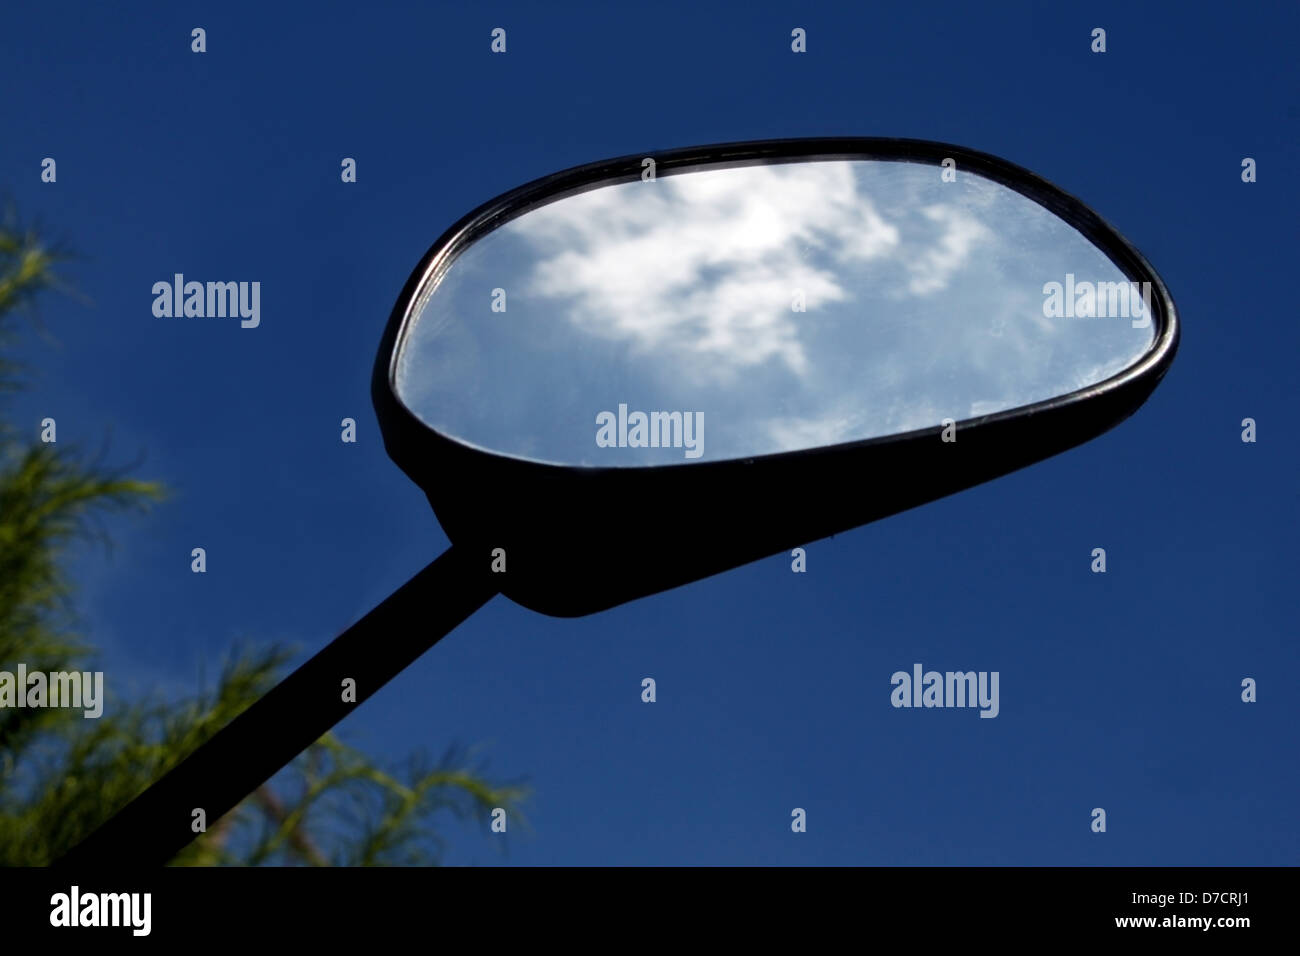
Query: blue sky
[{"x": 1118, "y": 690}]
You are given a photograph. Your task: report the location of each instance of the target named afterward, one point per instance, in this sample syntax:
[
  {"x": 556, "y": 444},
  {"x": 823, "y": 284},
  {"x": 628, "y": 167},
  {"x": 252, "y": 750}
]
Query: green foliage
[{"x": 61, "y": 775}]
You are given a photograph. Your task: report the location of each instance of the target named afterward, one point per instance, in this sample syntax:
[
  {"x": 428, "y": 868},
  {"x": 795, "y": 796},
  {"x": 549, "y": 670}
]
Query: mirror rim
[
  {"x": 519, "y": 201},
  {"x": 481, "y": 495}
]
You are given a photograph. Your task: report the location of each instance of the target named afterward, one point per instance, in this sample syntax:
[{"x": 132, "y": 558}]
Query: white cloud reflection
[{"x": 723, "y": 288}]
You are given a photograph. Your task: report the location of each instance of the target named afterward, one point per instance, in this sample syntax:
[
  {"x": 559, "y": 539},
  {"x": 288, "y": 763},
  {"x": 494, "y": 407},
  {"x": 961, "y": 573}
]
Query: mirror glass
[{"x": 735, "y": 312}]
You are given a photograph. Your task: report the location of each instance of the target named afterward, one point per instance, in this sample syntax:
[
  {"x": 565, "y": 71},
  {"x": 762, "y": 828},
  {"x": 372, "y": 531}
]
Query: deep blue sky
[{"x": 1118, "y": 690}]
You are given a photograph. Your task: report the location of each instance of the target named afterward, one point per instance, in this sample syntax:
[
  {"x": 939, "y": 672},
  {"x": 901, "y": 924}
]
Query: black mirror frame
[{"x": 561, "y": 526}]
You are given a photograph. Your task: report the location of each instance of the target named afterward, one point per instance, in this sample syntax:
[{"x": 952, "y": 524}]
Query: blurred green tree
[{"x": 61, "y": 775}]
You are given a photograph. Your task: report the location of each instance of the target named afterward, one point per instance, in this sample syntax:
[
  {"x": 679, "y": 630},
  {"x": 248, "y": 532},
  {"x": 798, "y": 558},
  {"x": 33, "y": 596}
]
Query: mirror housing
[{"x": 581, "y": 539}]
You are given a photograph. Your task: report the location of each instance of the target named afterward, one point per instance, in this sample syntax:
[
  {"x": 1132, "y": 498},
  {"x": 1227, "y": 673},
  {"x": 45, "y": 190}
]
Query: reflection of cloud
[
  {"x": 933, "y": 267},
  {"x": 845, "y": 423},
  {"x": 816, "y": 432},
  {"x": 1083, "y": 377},
  {"x": 707, "y": 263}
]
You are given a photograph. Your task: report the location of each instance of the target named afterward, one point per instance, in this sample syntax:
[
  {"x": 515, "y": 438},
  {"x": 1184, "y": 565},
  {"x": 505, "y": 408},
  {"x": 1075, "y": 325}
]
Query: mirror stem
[{"x": 156, "y": 825}]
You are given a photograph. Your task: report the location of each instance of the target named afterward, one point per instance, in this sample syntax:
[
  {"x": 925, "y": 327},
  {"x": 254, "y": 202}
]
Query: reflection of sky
[{"x": 923, "y": 300}]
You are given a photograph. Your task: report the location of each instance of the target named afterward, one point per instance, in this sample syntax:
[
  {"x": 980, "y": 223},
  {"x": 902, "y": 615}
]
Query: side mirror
[
  {"x": 629, "y": 382},
  {"x": 631, "y": 375}
]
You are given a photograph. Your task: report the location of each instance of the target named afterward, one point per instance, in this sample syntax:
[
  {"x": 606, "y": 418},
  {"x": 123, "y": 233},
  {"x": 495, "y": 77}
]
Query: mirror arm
[{"x": 156, "y": 825}]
